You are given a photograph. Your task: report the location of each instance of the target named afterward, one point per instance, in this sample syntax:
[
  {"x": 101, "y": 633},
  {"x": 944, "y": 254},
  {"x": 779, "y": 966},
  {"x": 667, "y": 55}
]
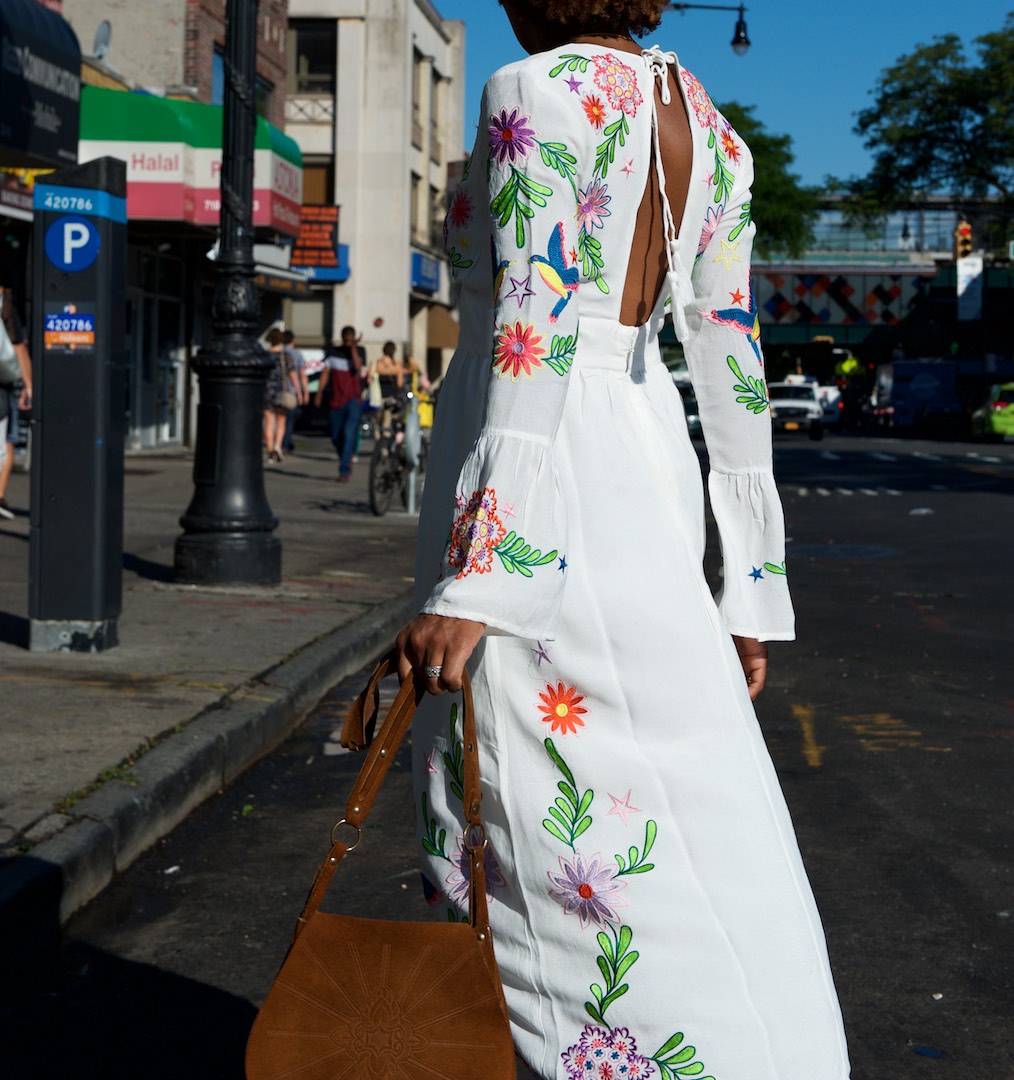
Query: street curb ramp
[{"x": 39, "y": 891}]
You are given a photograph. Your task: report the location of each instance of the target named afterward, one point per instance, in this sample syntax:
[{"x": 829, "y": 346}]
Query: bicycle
[{"x": 391, "y": 462}]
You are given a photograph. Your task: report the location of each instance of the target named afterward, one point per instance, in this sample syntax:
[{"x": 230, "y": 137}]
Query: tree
[
  {"x": 940, "y": 124},
  {"x": 784, "y": 209}
]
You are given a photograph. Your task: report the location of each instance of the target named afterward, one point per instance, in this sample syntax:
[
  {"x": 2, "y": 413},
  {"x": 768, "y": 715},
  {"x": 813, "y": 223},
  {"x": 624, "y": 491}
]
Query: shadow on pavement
[
  {"x": 14, "y": 629},
  {"x": 145, "y": 568},
  {"x": 112, "y": 1019}
]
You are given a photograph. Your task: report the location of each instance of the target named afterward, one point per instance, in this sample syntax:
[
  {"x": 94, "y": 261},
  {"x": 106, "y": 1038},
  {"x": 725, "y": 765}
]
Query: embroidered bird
[
  {"x": 499, "y": 270},
  {"x": 555, "y": 273},
  {"x": 746, "y": 321}
]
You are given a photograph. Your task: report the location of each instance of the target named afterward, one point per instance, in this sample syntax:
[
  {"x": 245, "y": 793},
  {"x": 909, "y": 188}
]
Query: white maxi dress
[{"x": 650, "y": 912}]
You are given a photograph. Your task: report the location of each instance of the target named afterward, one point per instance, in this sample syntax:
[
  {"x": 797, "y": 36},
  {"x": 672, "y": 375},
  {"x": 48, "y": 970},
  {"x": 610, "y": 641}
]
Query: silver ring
[{"x": 433, "y": 672}]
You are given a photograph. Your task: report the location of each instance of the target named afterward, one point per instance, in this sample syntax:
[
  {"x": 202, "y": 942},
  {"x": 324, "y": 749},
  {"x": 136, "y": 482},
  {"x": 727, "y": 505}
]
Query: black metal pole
[{"x": 228, "y": 529}]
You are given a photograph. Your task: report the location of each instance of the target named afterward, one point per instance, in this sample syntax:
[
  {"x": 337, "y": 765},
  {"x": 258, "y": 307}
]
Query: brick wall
[{"x": 205, "y": 29}]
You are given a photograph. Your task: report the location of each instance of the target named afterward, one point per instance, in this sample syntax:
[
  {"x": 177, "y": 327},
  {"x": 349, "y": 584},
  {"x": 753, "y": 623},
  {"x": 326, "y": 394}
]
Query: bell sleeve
[
  {"x": 723, "y": 354},
  {"x": 505, "y": 561}
]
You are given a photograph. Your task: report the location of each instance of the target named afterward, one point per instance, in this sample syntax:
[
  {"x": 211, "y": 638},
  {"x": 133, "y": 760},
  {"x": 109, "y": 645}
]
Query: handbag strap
[{"x": 360, "y": 726}]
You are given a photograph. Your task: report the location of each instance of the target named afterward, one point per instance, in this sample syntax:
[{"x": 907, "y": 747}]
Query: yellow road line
[{"x": 813, "y": 753}]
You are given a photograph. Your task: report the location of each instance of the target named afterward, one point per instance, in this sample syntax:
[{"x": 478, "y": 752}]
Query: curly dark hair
[{"x": 579, "y": 17}]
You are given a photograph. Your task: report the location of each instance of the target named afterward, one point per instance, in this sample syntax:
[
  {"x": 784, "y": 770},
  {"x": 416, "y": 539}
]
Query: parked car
[
  {"x": 994, "y": 419},
  {"x": 796, "y": 407},
  {"x": 690, "y": 407},
  {"x": 833, "y": 404}
]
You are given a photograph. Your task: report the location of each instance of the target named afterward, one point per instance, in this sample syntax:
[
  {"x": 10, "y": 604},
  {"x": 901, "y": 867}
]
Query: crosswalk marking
[{"x": 878, "y": 456}]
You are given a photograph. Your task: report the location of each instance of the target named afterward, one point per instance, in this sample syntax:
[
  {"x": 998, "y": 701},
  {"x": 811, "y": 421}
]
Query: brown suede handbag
[{"x": 360, "y": 997}]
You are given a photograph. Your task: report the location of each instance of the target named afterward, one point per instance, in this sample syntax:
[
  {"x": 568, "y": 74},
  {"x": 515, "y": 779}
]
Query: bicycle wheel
[{"x": 385, "y": 475}]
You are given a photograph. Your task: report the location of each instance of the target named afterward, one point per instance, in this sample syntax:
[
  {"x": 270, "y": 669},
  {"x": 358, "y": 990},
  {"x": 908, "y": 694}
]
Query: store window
[
  {"x": 264, "y": 89},
  {"x": 318, "y": 182},
  {"x": 311, "y": 56}
]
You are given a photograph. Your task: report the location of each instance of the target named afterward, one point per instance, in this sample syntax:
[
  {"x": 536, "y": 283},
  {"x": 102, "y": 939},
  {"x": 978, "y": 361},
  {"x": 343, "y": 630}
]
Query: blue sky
[{"x": 810, "y": 69}]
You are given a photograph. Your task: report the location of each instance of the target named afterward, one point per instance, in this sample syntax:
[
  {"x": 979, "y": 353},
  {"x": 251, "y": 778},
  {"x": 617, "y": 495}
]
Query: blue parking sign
[{"x": 72, "y": 243}]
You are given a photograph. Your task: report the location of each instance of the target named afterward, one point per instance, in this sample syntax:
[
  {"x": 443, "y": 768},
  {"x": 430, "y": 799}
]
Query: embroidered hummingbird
[
  {"x": 555, "y": 273},
  {"x": 745, "y": 320}
]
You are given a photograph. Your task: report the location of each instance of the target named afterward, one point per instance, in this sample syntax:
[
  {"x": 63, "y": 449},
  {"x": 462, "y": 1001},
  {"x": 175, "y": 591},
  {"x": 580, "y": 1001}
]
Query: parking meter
[{"x": 78, "y": 339}]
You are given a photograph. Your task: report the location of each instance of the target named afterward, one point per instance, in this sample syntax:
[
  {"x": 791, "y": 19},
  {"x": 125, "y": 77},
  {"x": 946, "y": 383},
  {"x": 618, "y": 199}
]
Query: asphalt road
[{"x": 890, "y": 722}]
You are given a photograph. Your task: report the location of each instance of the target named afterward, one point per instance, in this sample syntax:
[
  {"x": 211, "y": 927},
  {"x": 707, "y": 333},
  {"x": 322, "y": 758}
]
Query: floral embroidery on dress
[
  {"x": 744, "y": 320},
  {"x": 562, "y": 708},
  {"x": 592, "y": 206},
  {"x": 588, "y": 889},
  {"x": 711, "y": 223},
  {"x": 517, "y": 351},
  {"x": 510, "y": 137},
  {"x": 729, "y": 145},
  {"x": 475, "y": 534},
  {"x": 594, "y": 110},
  {"x": 698, "y": 97},
  {"x": 605, "y": 1055},
  {"x": 751, "y": 391},
  {"x": 459, "y": 214},
  {"x": 618, "y": 82},
  {"x": 460, "y": 877}
]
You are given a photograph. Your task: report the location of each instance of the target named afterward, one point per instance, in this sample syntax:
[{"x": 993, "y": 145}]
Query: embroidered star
[
  {"x": 508, "y": 510},
  {"x": 728, "y": 255},
  {"x": 574, "y": 84},
  {"x": 521, "y": 290},
  {"x": 628, "y": 167},
  {"x": 573, "y": 255},
  {"x": 431, "y": 768},
  {"x": 737, "y": 297},
  {"x": 541, "y": 654},
  {"x": 563, "y": 563},
  {"x": 756, "y": 574},
  {"x": 621, "y": 807},
  {"x": 459, "y": 501},
  {"x": 709, "y": 179}
]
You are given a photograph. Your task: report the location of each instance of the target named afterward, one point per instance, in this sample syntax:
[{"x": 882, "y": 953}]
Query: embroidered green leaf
[
  {"x": 605, "y": 153},
  {"x": 557, "y": 157},
  {"x": 514, "y": 199},
  {"x": 669, "y": 1045},
  {"x": 568, "y": 816},
  {"x": 517, "y": 555},
  {"x": 570, "y": 62},
  {"x": 723, "y": 178},
  {"x": 589, "y": 251},
  {"x": 457, "y": 260},
  {"x": 433, "y": 841},
  {"x": 673, "y": 1065},
  {"x": 774, "y": 568},
  {"x": 745, "y": 217},
  {"x": 454, "y": 758},
  {"x": 638, "y": 863},
  {"x": 614, "y": 963},
  {"x": 561, "y": 353},
  {"x": 753, "y": 393}
]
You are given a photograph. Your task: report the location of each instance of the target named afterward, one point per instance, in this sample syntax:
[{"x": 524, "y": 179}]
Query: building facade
[{"x": 375, "y": 100}]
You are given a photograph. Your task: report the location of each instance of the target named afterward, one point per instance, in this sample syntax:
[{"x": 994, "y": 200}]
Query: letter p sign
[{"x": 72, "y": 243}]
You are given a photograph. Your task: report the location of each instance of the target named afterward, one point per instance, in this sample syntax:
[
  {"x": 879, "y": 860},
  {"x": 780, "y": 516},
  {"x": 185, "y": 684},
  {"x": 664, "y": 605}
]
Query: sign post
[{"x": 76, "y": 539}]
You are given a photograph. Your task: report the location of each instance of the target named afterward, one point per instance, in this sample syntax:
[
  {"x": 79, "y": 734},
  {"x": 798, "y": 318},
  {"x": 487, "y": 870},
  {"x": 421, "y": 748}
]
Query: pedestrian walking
[
  {"x": 300, "y": 386},
  {"x": 650, "y": 910},
  {"x": 342, "y": 382},
  {"x": 15, "y": 388},
  {"x": 280, "y": 396}
]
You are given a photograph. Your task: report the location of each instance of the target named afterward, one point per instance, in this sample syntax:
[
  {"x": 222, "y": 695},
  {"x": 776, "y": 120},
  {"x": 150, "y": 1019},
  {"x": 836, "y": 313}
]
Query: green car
[{"x": 994, "y": 419}]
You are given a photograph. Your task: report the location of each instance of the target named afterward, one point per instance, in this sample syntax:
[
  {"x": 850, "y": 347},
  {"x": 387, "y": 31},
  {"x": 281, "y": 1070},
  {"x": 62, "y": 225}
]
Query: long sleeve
[
  {"x": 723, "y": 353},
  {"x": 505, "y": 559}
]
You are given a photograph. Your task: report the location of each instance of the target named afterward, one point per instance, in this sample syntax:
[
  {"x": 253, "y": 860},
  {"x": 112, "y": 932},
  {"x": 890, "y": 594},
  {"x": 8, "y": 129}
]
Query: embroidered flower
[
  {"x": 618, "y": 82},
  {"x": 475, "y": 533},
  {"x": 460, "y": 211},
  {"x": 698, "y": 98},
  {"x": 595, "y": 110},
  {"x": 460, "y": 877},
  {"x": 711, "y": 223},
  {"x": 562, "y": 707},
  {"x": 510, "y": 138},
  {"x": 517, "y": 350},
  {"x": 588, "y": 889},
  {"x": 730, "y": 146},
  {"x": 605, "y": 1055},
  {"x": 592, "y": 206}
]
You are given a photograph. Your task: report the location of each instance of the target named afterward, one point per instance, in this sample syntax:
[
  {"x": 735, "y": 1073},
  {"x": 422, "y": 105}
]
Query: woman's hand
[
  {"x": 437, "y": 641},
  {"x": 753, "y": 655}
]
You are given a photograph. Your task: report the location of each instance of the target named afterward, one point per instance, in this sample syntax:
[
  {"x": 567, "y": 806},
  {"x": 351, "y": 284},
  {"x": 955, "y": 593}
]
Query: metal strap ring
[{"x": 337, "y": 825}]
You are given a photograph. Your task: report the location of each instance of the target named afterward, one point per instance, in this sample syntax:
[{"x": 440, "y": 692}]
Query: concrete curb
[{"x": 39, "y": 891}]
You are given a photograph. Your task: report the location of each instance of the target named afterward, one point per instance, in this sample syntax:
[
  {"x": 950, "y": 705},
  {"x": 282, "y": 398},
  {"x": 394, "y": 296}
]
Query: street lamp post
[
  {"x": 740, "y": 41},
  {"x": 228, "y": 528}
]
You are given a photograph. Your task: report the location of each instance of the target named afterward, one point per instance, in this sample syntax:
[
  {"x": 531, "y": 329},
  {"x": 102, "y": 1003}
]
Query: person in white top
[{"x": 650, "y": 911}]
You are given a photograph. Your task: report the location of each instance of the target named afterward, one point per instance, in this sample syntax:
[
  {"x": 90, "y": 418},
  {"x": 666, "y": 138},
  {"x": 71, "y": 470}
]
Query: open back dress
[{"x": 650, "y": 912}]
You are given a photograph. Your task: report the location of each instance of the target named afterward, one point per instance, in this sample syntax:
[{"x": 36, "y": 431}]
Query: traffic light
[{"x": 962, "y": 240}]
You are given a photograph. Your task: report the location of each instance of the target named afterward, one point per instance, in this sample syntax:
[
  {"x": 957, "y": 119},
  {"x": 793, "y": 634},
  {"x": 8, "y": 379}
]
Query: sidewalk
[{"x": 101, "y": 755}]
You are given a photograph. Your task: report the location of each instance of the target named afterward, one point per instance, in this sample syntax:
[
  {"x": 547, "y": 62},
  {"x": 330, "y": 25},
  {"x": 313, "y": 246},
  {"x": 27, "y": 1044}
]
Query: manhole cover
[{"x": 840, "y": 551}]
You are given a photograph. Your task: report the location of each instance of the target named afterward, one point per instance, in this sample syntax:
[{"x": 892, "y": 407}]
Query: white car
[
  {"x": 796, "y": 407},
  {"x": 831, "y": 399}
]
